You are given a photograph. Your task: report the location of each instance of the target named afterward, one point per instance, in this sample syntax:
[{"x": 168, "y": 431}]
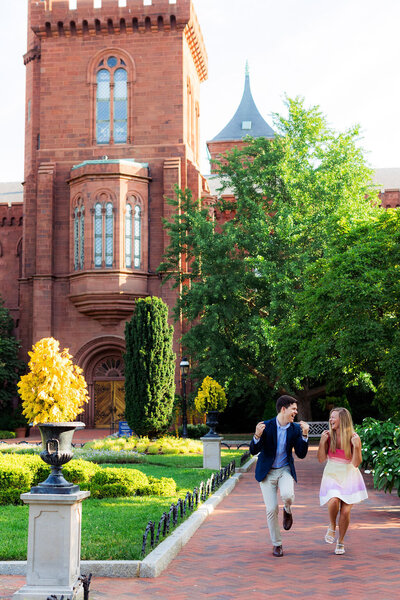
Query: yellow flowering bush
[
  {"x": 54, "y": 390},
  {"x": 210, "y": 396}
]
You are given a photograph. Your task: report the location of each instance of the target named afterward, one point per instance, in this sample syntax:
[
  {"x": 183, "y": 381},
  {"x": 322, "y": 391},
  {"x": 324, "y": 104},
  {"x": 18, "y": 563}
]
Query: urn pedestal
[
  {"x": 212, "y": 452},
  {"x": 54, "y": 546},
  {"x": 55, "y": 518}
]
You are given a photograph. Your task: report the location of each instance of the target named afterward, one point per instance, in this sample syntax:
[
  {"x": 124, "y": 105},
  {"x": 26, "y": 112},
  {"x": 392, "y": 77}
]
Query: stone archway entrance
[{"x": 109, "y": 392}]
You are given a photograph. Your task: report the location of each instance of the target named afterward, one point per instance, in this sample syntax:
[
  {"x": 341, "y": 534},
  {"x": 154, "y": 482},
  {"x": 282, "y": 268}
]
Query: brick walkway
[{"x": 229, "y": 557}]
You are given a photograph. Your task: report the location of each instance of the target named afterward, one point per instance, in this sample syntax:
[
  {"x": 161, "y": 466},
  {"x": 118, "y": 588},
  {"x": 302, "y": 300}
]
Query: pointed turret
[{"x": 247, "y": 120}]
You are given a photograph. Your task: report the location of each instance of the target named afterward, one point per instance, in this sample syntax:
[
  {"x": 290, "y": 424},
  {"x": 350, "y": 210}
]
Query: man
[{"x": 274, "y": 441}]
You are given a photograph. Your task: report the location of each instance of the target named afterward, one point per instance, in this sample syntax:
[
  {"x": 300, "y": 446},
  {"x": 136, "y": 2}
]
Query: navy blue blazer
[{"x": 267, "y": 444}]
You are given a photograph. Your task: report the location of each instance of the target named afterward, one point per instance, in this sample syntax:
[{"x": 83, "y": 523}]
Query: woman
[{"x": 342, "y": 484}]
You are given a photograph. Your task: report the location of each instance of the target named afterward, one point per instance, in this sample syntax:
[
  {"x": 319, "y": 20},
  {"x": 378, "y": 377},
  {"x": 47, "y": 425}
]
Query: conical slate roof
[{"x": 246, "y": 120}]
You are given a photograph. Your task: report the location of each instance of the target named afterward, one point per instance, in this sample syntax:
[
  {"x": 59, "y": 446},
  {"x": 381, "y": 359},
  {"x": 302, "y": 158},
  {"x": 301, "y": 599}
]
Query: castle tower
[
  {"x": 247, "y": 120},
  {"x": 112, "y": 125}
]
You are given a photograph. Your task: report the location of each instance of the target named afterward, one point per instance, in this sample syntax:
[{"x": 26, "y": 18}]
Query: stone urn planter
[
  {"x": 212, "y": 422},
  {"x": 57, "y": 450}
]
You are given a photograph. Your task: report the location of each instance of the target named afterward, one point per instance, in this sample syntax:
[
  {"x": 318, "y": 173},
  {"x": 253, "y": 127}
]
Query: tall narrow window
[
  {"x": 98, "y": 235},
  {"x": 120, "y": 106},
  {"x": 82, "y": 238},
  {"x": 109, "y": 254},
  {"x": 103, "y": 235},
  {"x": 112, "y": 101},
  {"x": 137, "y": 238},
  {"x": 103, "y": 107},
  {"x": 79, "y": 237},
  {"x": 133, "y": 236},
  {"x": 128, "y": 236}
]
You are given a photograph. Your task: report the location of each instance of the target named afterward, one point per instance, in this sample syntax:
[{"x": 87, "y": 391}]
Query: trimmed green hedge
[
  {"x": 7, "y": 435},
  {"x": 18, "y": 473}
]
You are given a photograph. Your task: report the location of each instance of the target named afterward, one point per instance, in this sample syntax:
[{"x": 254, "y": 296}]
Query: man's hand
[
  {"x": 259, "y": 429},
  {"x": 304, "y": 428}
]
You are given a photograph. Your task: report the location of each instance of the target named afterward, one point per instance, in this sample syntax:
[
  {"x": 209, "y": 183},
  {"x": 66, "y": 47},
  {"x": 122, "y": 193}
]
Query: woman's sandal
[
  {"x": 339, "y": 548},
  {"x": 329, "y": 538}
]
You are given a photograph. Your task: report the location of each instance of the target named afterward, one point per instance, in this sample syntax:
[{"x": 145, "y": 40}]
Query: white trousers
[{"x": 277, "y": 479}]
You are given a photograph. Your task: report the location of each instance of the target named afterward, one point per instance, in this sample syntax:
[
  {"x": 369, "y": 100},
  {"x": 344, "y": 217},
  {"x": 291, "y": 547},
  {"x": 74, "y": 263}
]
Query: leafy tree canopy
[
  {"x": 54, "y": 390},
  {"x": 245, "y": 294}
]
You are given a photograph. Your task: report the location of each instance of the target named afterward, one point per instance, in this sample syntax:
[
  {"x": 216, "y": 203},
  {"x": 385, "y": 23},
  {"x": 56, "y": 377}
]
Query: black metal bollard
[{"x": 86, "y": 579}]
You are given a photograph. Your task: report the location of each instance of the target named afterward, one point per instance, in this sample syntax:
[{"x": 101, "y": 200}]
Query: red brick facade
[
  {"x": 70, "y": 288},
  {"x": 10, "y": 256}
]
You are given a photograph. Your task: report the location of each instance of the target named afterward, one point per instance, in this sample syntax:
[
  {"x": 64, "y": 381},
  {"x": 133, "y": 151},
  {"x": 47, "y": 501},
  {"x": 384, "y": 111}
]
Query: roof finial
[{"x": 247, "y": 70}]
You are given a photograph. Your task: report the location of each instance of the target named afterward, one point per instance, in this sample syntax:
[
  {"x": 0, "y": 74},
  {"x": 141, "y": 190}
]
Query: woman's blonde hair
[{"x": 346, "y": 430}]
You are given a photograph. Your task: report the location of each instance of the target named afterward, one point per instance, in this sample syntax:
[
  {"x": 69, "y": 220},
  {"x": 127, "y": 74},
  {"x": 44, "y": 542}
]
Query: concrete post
[
  {"x": 54, "y": 546},
  {"x": 212, "y": 452}
]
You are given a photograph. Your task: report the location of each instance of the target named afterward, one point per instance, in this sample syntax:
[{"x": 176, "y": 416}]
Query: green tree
[
  {"x": 348, "y": 330},
  {"x": 10, "y": 367},
  {"x": 149, "y": 368},
  {"x": 247, "y": 273}
]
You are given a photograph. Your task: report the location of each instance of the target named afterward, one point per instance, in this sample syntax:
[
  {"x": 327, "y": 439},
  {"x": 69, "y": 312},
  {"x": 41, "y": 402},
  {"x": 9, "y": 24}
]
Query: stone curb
[{"x": 162, "y": 555}]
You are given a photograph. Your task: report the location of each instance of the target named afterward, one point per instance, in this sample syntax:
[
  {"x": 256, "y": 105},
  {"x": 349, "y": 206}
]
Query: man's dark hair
[{"x": 284, "y": 401}]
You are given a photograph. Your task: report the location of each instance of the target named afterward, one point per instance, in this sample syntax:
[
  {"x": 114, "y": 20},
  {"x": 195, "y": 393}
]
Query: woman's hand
[
  {"x": 323, "y": 446},
  {"x": 325, "y": 436},
  {"x": 355, "y": 441}
]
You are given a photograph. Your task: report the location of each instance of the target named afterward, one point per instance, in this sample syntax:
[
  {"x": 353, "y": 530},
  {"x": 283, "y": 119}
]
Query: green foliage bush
[
  {"x": 381, "y": 452},
  {"x": 164, "y": 445},
  {"x": 80, "y": 471},
  {"x": 195, "y": 432},
  {"x": 112, "y": 482},
  {"x": 165, "y": 486},
  {"x": 14, "y": 481},
  {"x": 7, "y": 435},
  {"x": 18, "y": 473}
]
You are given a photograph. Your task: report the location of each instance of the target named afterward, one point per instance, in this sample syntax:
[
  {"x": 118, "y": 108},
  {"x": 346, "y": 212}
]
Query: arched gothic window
[
  {"x": 111, "y": 101},
  {"x": 79, "y": 236},
  {"x": 133, "y": 236},
  {"x": 103, "y": 235}
]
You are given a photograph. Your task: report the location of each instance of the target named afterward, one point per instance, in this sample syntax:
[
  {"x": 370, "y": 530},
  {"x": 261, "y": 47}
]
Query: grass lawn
[{"x": 112, "y": 529}]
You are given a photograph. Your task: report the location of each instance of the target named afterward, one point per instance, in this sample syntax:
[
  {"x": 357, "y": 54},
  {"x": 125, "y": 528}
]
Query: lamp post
[{"x": 184, "y": 366}]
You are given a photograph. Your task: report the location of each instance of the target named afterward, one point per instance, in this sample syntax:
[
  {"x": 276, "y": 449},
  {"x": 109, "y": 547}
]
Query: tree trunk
[{"x": 304, "y": 407}]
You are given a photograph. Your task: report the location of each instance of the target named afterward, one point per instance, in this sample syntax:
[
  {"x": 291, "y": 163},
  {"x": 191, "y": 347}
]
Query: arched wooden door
[{"x": 109, "y": 392}]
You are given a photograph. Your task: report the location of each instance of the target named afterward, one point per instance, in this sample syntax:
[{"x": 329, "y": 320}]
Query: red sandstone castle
[{"x": 112, "y": 126}]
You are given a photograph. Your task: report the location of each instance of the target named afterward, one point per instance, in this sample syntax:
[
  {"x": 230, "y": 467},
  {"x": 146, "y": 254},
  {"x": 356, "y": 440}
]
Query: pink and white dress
[{"x": 341, "y": 479}]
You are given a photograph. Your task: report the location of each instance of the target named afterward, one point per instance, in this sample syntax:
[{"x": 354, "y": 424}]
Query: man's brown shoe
[
  {"x": 287, "y": 520},
  {"x": 277, "y": 551}
]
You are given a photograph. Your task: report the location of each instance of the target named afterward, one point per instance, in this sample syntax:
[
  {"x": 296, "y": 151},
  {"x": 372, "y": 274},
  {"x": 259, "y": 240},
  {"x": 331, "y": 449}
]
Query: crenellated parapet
[
  {"x": 58, "y": 18},
  {"x": 11, "y": 215}
]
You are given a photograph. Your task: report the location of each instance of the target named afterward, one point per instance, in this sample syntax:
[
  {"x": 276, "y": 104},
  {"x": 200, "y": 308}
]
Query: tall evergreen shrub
[
  {"x": 10, "y": 367},
  {"x": 149, "y": 368}
]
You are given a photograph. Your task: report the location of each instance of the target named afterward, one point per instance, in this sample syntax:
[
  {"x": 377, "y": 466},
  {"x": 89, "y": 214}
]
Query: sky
[{"x": 342, "y": 55}]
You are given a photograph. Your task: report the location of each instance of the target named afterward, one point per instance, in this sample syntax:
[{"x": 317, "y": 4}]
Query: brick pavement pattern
[{"x": 229, "y": 557}]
